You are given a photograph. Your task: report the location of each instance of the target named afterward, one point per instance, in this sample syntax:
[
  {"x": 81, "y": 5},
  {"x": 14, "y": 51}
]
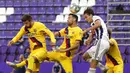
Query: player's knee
[
  {"x": 35, "y": 60},
  {"x": 29, "y": 71}
]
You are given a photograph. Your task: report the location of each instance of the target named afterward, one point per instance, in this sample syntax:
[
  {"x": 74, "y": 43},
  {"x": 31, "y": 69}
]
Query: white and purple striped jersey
[{"x": 101, "y": 32}]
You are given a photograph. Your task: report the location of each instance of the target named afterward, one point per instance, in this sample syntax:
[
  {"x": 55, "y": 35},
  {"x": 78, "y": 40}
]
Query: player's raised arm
[
  {"x": 44, "y": 29},
  {"x": 17, "y": 37}
]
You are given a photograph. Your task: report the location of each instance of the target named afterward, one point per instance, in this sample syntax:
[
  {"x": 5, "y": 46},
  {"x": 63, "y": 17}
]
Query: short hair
[
  {"x": 75, "y": 16},
  {"x": 26, "y": 17},
  {"x": 109, "y": 32},
  {"x": 89, "y": 11}
]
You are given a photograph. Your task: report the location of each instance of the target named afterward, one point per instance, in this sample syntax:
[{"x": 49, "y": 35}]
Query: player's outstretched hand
[{"x": 10, "y": 43}]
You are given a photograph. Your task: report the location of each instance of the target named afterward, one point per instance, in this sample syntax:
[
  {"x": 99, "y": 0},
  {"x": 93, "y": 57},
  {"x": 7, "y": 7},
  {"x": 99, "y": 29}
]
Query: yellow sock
[{"x": 23, "y": 63}]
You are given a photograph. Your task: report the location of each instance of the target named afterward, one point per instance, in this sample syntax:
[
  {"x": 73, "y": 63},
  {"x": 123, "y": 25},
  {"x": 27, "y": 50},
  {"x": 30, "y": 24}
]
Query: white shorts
[{"x": 99, "y": 49}]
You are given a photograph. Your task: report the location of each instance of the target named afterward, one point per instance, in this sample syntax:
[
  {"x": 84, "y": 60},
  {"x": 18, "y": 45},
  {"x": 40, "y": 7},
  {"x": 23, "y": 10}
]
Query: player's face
[
  {"x": 27, "y": 24},
  {"x": 70, "y": 20},
  {"x": 88, "y": 18}
]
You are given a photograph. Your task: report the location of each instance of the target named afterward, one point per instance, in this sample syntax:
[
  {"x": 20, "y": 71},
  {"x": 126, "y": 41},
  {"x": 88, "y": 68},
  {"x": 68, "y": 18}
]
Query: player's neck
[{"x": 73, "y": 25}]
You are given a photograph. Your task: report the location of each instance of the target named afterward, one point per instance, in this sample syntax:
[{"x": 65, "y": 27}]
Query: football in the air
[{"x": 74, "y": 8}]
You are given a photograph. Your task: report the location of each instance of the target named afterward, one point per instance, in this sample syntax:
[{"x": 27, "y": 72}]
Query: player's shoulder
[
  {"x": 38, "y": 23},
  {"x": 113, "y": 40},
  {"x": 95, "y": 17},
  {"x": 78, "y": 28}
]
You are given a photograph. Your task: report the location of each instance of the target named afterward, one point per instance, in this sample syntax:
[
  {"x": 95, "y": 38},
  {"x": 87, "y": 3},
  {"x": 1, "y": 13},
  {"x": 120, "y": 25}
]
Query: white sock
[
  {"x": 92, "y": 70},
  {"x": 101, "y": 66}
]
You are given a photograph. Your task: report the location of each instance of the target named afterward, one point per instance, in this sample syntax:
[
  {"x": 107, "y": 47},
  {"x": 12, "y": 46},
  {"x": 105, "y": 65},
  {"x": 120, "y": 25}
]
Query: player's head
[
  {"x": 72, "y": 18},
  {"x": 109, "y": 32},
  {"x": 88, "y": 14},
  {"x": 27, "y": 20}
]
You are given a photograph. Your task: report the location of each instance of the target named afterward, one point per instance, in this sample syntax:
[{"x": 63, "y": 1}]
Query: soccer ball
[{"x": 74, "y": 8}]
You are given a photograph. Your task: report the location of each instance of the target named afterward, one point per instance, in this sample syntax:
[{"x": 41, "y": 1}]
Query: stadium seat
[
  {"x": 33, "y": 2},
  {"x": 26, "y": 44},
  {"x": 42, "y": 18},
  {"x": 21, "y": 49},
  {"x": 12, "y": 49},
  {"x": 26, "y": 10},
  {"x": 66, "y": 2},
  {"x": 18, "y": 26},
  {"x": 4, "y": 42},
  {"x": 50, "y": 18},
  {"x": 10, "y": 18},
  {"x": 66, "y": 10},
  {"x": 122, "y": 49},
  {"x": 2, "y": 34},
  {"x": 18, "y": 10},
  {"x": 41, "y": 3},
  {"x": 58, "y": 10},
  {"x": 10, "y": 26},
  {"x": 10, "y": 58},
  {"x": 2, "y": 3},
  {"x": 83, "y": 3},
  {"x": 127, "y": 35},
  {"x": 100, "y": 9},
  {"x": 25, "y": 3},
  {"x": 2, "y": 10},
  {"x": 75, "y": 2},
  {"x": 50, "y": 26},
  {"x": 57, "y": 2},
  {"x": 50, "y": 10},
  {"x": 49, "y": 2},
  {"x": 33, "y": 10},
  {"x": 35, "y": 17},
  {"x": 17, "y": 3},
  {"x": 59, "y": 18},
  {"x": 9, "y": 3},
  {"x": 127, "y": 17},
  {"x": 2, "y": 26},
  {"x": 120, "y": 35},
  {"x": 59, "y": 42},
  {"x": 41, "y": 10},
  {"x": 18, "y": 18},
  {"x": 10, "y": 34},
  {"x": 10, "y": 11},
  {"x": 3, "y": 49}
]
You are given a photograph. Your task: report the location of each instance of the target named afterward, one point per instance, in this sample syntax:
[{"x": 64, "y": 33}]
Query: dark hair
[
  {"x": 89, "y": 11},
  {"x": 109, "y": 32},
  {"x": 75, "y": 16},
  {"x": 26, "y": 17}
]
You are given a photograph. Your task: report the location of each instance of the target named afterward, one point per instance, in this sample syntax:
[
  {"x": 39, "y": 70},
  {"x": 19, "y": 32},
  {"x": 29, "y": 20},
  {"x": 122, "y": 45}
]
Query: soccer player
[
  {"x": 114, "y": 60},
  {"x": 36, "y": 36},
  {"x": 72, "y": 37},
  {"x": 101, "y": 46}
]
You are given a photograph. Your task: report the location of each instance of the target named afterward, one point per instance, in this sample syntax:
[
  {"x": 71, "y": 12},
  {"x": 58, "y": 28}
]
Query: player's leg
[
  {"x": 67, "y": 65},
  {"x": 101, "y": 49},
  {"x": 88, "y": 54},
  {"x": 118, "y": 69}
]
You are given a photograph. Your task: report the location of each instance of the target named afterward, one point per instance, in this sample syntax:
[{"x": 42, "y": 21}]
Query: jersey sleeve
[
  {"x": 79, "y": 35},
  {"x": 48, "y": 32},
  {"x": 19, "y": 35},
  {"x": 62, "y": 32}
]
